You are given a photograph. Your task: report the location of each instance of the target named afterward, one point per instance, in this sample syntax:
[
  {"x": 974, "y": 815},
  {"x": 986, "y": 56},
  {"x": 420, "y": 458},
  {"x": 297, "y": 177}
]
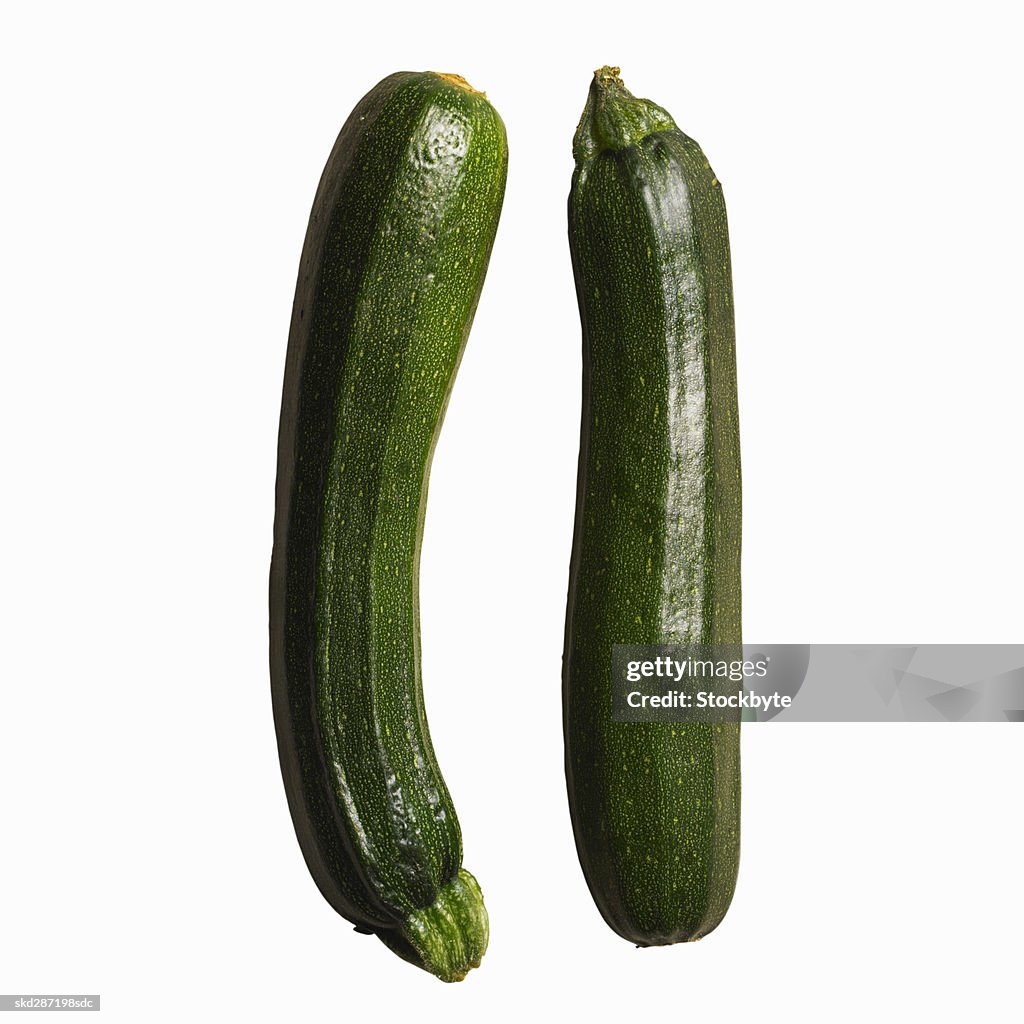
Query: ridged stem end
[
  {"x": 614, "y": 118},
  {"x": 449, "y": 937}
]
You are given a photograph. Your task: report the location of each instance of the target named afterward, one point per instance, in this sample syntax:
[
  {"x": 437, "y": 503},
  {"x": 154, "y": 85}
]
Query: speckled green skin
[
  {"x": 392, "y": 267},
  {"x": 656, "y": 554}
]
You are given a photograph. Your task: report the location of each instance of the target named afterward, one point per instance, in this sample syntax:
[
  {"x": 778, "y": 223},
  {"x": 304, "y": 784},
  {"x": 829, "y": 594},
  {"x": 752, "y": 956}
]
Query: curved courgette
[
  {"x": 392, "y": 267},
  {"x": 656, "y": 553}
]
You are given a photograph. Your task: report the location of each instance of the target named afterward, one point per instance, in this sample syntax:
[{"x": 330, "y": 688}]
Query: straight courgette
[
  {"x": 656, "y": 554},
  {"x": 391, "y": 271}
]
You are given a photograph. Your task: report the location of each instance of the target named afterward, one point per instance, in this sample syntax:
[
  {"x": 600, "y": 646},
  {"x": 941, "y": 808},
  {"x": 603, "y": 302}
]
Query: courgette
[
  {"x": 391, "y": 271},
  {"x": 655, "y": 806}
]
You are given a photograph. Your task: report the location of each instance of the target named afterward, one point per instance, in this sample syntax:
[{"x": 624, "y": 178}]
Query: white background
[{"x": 159, "y": 165}]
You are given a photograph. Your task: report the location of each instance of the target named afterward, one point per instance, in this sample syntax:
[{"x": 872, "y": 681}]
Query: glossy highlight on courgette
[
  {"x": 391, "y": 271},
  {"x": 655, "y": 806}
]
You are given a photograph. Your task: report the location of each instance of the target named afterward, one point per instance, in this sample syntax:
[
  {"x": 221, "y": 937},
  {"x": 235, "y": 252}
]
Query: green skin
[
  {"x": 392, "y": 267},
  {"x": 656, "y": 553}
]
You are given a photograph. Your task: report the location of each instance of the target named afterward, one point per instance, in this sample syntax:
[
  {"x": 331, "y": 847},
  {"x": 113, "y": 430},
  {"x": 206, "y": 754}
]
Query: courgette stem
[
  {"x": 449, "y": 937},
  {"x": 614, "y": 118}
]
